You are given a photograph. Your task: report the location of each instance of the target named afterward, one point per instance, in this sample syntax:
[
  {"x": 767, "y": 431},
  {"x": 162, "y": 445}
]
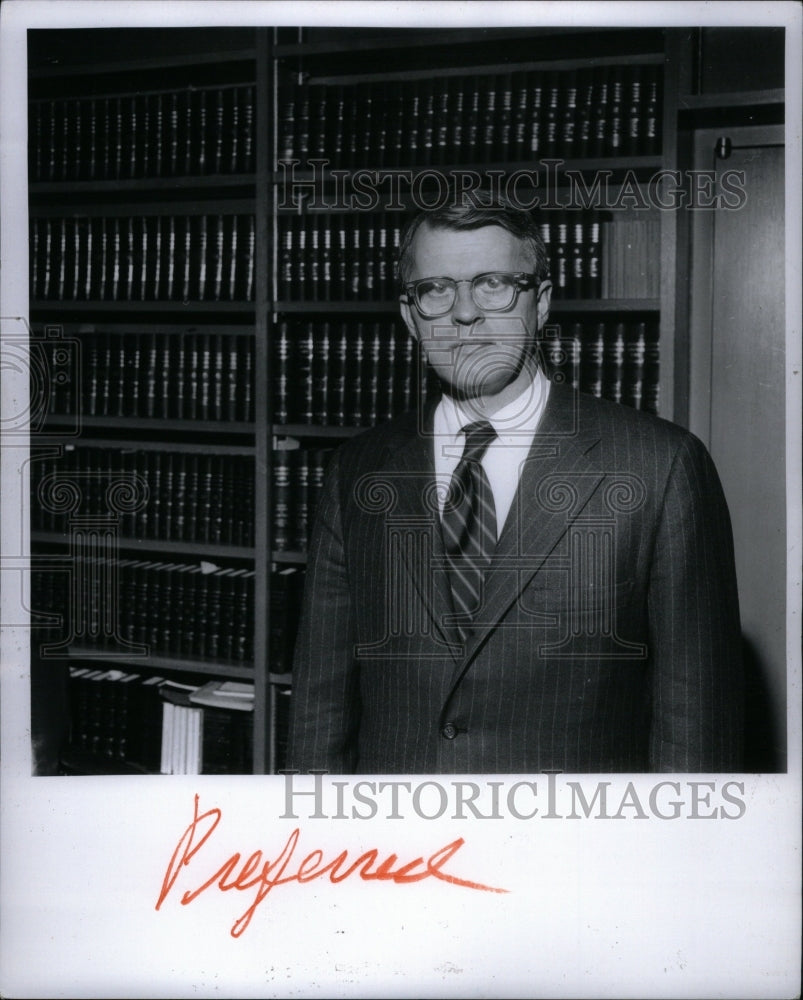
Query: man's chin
[{"x": 486, "y": 389}]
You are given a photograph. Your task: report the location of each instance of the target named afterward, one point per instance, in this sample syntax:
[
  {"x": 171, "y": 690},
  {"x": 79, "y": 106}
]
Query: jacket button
[{"x": 449, "y": 731}]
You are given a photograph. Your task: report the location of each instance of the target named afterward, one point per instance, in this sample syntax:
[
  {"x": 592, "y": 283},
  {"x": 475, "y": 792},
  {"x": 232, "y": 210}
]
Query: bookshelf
[
  {"x": 147, "y": 257},
  {"x": 214, "y": 216}
]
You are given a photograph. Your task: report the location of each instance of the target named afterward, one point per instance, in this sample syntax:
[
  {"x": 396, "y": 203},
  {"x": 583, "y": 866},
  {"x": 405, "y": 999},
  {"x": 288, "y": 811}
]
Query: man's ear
[
  {"x": 407, "y": 316},
  {"x": 544, "y": 300}
]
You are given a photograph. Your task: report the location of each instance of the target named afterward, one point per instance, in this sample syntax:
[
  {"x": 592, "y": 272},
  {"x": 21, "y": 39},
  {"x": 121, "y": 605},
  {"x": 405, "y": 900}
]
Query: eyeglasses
[{"x": 491, "y": 292}]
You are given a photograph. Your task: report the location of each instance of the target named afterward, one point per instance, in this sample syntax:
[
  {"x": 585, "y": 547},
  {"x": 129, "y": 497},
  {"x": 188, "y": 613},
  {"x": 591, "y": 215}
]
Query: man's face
[{"x": 477, "y": 354}]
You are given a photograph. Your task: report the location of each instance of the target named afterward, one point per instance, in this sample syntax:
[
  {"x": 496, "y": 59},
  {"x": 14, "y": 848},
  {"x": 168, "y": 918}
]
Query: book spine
[
  {"x": 281, "y": 501},
  {"x": 618, "y": 111},
  {"x": 150, "y": 376},
  {"x": 592, "y": 267},
  {"x": 650, "y": 398},
  {"x": 164, "y": 401},
  {"x": 232, "y": 291},
  {"x": 35, "y": 262},
  {"x": 585, "y": 112},
  {"x": 613, "y": 363},
  {"x": 120, "y": 377},
  {"x": 232, "y": 390},
  {"x": 186, "y": 260},
  {"x": 537, "y": 126},
  {"x": 234, "y": 132},
  {"x": 145, "y": 166},
  {"x": 593, "y": 359},
  {"x": 202, "y": 252},
  {"x": 577, "y": 258},
  {"x": 320, "y": 377},
  {"x": 218, "y": 132},
  {"x": 599, "y": 143},
  {"x": 383, "y": 125},
  {"x": 134, "y": 137},
  {"x": 374, "y": 375},
  {"x": 170, "y": 249},
  {"x": 201, "y": 159},
  {"x": 129, "y": 258},
  {"x": 217, "y": 359},
  {"x": 560, "y": 275},
  {"x": 160, "y": 168},
  {"x": 144, "y": 260},
  {"x": 505, "y": 123},
  {"x": 305, "y": 354},
  {"x": 568, "y": 129},
  {"x": 388, "y": 380},
  {"x": 205, "y": 378},
  {"x": 250, "y": 259},
  {"x": 218, "y": 258},
  {"x": 78, "y": 141},
  {"x": 355, "y": 379},
  {"x": 65, "y": 143},
  {"x": 635, "y": 346},
  {"x": 337, "y": 413},
  {"x": 634, "y": 117},
  {"x": 552, "y": 122},
  {"x": 247, "y": 386},
  {"x": 191, "y": 506},
  {"x": 300, "y": 495}
]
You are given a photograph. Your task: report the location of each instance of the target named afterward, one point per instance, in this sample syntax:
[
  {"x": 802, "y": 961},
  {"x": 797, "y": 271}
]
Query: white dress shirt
[{"x": 515, "y": 425}]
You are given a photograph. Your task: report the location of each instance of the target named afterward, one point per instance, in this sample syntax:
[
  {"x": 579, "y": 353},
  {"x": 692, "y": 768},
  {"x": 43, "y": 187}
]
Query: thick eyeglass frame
[{"x": 522, "y": 280}]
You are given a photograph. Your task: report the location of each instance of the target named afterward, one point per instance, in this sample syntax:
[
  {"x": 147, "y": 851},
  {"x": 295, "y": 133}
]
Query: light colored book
[{"x": 225, "y": 694}]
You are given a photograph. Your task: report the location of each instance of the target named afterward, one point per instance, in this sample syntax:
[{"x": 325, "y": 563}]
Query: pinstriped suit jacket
[{"x": 608, "y": 638}]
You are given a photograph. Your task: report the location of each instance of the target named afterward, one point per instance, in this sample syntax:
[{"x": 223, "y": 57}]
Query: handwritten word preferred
[{"x": 263, "y": 875}]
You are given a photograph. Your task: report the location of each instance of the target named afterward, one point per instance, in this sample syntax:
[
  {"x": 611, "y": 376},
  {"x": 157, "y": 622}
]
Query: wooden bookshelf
[
  {"x": 164, "y": 152},
  {"x": 164, "y": 361}
]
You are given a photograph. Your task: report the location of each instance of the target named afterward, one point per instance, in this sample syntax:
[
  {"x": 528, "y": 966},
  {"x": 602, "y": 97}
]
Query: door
[{"x": 738, "y": 404}]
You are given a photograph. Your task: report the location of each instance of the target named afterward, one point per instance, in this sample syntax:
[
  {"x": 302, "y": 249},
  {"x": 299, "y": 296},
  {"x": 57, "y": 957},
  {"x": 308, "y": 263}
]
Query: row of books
[
  {"x": 280, "y": 723},
  {"x": 286, "y": 592},
  {"x": 486, "y": 118},
  {"x": 593, "y": 258},
  {"x": 196, "y": 611},
  {"x": 160, "y": 725},
  {"x": 191, "y": 376},
  {"x": 333, "y": 257},
  {"x": 347, "y": 374},
  {"x": 613, "y": 360},
  {"x": 115, "y": 714},
  {"x": 338, "y": 257},
  {"x": 207, "y": 729},
  {"x": 297, "y": 483},
  {"x": 187, "y": 132},
  {"x": 205, "y": 498},
  {"x": 184, "y": 258}
]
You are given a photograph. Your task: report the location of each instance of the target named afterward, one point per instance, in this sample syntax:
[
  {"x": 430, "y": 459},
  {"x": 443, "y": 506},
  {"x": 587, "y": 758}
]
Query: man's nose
[{"x": 465, "y": 310}]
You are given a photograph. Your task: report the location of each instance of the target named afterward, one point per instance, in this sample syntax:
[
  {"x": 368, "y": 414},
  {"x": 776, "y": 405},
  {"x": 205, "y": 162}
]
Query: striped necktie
[{"x": 469, "y": 523}]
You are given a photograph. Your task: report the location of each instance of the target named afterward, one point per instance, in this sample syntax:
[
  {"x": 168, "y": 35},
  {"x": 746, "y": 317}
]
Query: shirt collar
[{"x": 516, "y": 420}]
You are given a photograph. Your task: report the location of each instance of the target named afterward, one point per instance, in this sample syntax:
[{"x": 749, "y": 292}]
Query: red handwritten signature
[{"x": 265, "y": 875}]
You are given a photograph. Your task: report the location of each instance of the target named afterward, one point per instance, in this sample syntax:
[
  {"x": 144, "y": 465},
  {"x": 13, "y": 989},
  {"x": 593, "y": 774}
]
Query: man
[{"x": 521, "y": 578}]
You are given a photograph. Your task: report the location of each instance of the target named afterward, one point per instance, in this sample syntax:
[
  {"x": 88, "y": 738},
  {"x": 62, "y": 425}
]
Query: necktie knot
[{"x": 478, "y": 435}]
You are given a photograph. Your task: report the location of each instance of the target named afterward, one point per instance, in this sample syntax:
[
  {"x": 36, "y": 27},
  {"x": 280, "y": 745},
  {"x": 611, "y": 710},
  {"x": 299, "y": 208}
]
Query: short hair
[{"x": 482, "y": 209}]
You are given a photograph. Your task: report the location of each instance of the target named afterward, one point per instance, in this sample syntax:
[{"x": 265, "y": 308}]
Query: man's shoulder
[
  {"x": 620, "y": 435},
  {"x": 593, "y": 412},
  {"x": 375, "y": 443}
]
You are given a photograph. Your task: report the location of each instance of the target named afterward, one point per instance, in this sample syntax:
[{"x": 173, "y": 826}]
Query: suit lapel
[
  {"x": 412, "y": 465},
  {"x": 557, "y": 480}
]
